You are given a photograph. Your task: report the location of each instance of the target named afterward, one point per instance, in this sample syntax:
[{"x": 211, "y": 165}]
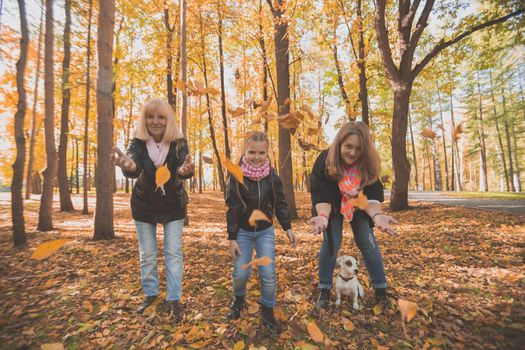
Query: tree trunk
[
  {"x": 496, "y": 122},
  {"x": 413, "y": 152},
  {"x": 361, "y": 64},
  {"x": 265, "y": 61},
  {"x": 483, "y": 148},
  {"x": 85, "y": 181},
  {"x": 220, "y": 171},
  {"x": 63, "y": 184},
  {"x": 17, "y": 200},
  {"x": 45, "y": 219},
  {"x": 456, "y": 184},
  {"x": 442, "y": 127},
  {"x": 29, "y": 176},
  {"x": 509, "y": 148},
  {"x": 399, "y": 198},
  {"x": 183, "y": 65},
  {"x": 438, "y": 181},
  {"x": 517, "y": 174},
  {"x": 223, "y": 95},
  {"x": 283, "y": 93},
  {"x": 77, "y": 166},
  {"x": 104, "y": 169},
  {"x": 170, "y": 29},
  {"x": 340, "y": 82}
]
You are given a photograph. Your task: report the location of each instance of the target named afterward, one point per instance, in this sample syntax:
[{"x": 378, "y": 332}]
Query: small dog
[{"x": 346, "y": 282}]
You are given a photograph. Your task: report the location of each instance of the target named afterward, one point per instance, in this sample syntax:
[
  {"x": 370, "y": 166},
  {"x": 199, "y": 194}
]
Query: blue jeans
[
  {"x": 366, "y": 242},
  {"x": 264, "y": 243},
  {"x": 147, "y": 233}
]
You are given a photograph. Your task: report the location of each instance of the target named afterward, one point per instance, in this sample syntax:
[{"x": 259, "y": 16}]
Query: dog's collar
[{"x": 346, "y": 279}]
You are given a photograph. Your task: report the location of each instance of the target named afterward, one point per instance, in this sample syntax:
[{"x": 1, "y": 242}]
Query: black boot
[
  {"x": 149, "y": 300},
  {"x": 269, "y": 320},
  {"x": 323, "y": 301},
  {"x": 236, "y": 308},
  {"x": 381, "y": 296},
  {"x": 177, "y": 311}
]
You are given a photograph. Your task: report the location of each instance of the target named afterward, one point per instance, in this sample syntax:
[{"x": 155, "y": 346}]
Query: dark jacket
[
  {"x": 324, "y": 189},
  {"x": 148, "y": 204},
  {"x": 267, "y": 195}
]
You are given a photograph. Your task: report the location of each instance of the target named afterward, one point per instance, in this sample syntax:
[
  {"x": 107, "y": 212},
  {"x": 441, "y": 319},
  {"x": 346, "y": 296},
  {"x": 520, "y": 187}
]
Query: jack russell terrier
[{"x": 346, "y": 282}]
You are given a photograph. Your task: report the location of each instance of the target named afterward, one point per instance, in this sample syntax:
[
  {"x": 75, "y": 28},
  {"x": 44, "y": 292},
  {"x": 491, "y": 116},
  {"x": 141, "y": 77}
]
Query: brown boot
[{"x": 177, "y": 311}]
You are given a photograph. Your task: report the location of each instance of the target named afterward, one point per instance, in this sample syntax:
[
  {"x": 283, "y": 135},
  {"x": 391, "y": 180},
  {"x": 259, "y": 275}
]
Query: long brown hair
[{"x": 369, "y": 162}]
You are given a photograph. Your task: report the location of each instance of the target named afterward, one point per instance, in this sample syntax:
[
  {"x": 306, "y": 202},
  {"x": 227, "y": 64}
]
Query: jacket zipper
[{"x": 258, "y": 201}]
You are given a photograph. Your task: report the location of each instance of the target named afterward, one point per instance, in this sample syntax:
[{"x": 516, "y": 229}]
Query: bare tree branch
[{"x": 382, "y": 39}]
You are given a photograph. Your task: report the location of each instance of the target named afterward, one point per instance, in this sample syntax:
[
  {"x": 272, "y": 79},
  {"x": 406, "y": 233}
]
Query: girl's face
[
  {"x": 351, "y": 149},
  {"x": 156, "y": 124},
  {"x": 256, "y": 152}
]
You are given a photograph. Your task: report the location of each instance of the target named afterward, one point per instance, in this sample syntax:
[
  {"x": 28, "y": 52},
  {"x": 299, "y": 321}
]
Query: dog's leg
[
  {"x": 355, "y": 305},
  {"x": 338, "y": 297},
  {"x": 360, "y": 290}
]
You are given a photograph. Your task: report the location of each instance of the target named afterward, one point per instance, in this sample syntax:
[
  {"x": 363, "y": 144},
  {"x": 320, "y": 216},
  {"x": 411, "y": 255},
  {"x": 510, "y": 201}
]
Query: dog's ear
[{"x": 340, "y": 260}]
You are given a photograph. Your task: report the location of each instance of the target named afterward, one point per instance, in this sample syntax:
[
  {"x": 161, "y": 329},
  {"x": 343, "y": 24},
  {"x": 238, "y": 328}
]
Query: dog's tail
[{"x": 360, "y": 291}]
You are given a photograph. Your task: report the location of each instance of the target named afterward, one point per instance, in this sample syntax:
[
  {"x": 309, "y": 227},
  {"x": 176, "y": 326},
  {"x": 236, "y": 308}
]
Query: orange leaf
[
  {"x": 361, "y": 201},
  {"x": 237, "y": 112},
  {"x": 305, "y": 346},
  {"x": 235, "y": 170},
  {"x": 181, "y": 85},
  {"x": 46, "y": 249},
  {"x": 407, "y": 308},
  {"x": 307, "y": 146},
  {"x": 308, "y": 110},
  {"x": 262, "y": 261},
  {"x": 162, "y": 175},
  {"x": 332, "y": 170},
  {"x": 428, "y": 133},
  {"x": 265, "y": 105},
  {"x": 315, "y": 332},
  {"x": 257, "y": 215},
  {"x": 313, "y": 131},
  {"x": 207, "y": 160}
]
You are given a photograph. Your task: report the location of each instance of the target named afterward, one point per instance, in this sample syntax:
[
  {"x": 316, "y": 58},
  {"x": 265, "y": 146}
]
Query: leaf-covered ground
[{"x": 463, "y": 267}]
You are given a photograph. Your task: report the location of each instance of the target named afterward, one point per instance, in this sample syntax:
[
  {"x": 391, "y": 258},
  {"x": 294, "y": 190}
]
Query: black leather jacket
[
  {"x": 148, "y": 204},
  {"x": 266, "y": 195}
]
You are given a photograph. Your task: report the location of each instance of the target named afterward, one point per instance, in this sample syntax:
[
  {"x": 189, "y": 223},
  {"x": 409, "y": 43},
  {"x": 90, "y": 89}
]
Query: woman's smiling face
[{"x": 351, "y": 149}]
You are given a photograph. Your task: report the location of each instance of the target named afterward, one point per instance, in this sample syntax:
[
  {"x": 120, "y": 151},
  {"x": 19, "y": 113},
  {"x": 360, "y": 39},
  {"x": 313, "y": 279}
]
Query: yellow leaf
[
  {"x": 46, "y": 249},
  {"x": 239, "y": 345},
  {"x": 162, "y": 175},
  {"x": 377, "y": 309},
  {"x": 237, "y": 112},
  {"x": 235, "y": 170},
  {"x": 308, "y": 110},
  {"x": 361, "y": 201},
  {"x": 52, "y": 346},
  {"x": 212, "y": 91},
  {"x": 315, "y": 332},
  {"x": 257, "y": 215},
  {"x": 313, "y": 131},
  {"x": 305, "y": 346},
  {"x": 407, "y": 308}
]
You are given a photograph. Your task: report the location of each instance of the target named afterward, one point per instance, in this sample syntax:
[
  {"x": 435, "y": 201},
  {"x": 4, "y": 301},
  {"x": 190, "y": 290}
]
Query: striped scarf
[{"x": 349, "y": 187}]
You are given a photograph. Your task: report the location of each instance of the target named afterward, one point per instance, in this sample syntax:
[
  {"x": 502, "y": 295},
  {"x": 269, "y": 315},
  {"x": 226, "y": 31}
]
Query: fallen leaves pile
[{"x": 457, "y": 281}]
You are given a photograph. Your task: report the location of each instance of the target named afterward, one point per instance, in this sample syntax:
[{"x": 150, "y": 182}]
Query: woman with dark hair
[{"x": 350, "y": 165}]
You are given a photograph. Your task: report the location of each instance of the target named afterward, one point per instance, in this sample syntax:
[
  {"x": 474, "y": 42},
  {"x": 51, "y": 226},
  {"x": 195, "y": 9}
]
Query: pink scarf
[
  {"x": 157, "y": 151},
  {"x": 255, "y": 173},
  {"x": 349, "y": 187}
]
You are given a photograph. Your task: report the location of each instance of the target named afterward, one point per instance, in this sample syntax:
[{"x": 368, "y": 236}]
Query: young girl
[{"x": 262, "y": 190}]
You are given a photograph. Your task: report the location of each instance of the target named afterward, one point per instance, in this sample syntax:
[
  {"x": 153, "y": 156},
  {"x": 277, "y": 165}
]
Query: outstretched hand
[
  {"x": 122, "y": 160},
  {"x": 384, "y": 223},
  {"x": 187, "y": 167},
  {"x": 317, "y": 224}
]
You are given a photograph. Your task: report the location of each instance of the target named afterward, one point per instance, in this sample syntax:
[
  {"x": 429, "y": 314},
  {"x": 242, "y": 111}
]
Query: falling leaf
[
  {"x": 458, "y": 131},
  {"x": 332, "y": 170},
  {"x": 287, "y": 101},
  {"x": 264, "y": 106},
  {"x": 162, "y": 175},
  {"x": 361, "y": 201},
  {"x": 239, "y": 345},
  {"x": 212, "y": 91},
  {"x": 428, "y": 133},
  {"x": 262, "y": 261},
  {"x": 52, "y": 346},
  {"x": 307, "y": 146},
  {"x": 308, "y": 110},
  {"x": 235, "y": 170},
  {"x": 257, "y": 215},
  {"x": 237, "y": 112},
  {"x": 181, "y": 85},
  {"x": 315, "y": 332},
  {"x": 270, "y": 116},
  {"x": 207, "y": 160},
  {"x": 407, "y": 308},
  {"x": 46, "y": 249}
]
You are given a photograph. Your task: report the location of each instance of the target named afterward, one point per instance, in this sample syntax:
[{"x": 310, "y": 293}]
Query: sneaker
[
  {"x": 149, "y": 300},
  {"x": 236, "y": 308},
  {"x": 269, "y": 320},
  {"x": 177, "y": 311},
  {"x": 323, "y": 301}
]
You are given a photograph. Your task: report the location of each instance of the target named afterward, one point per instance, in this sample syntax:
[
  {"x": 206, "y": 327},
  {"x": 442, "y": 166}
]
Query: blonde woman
[
  {"x": 158, "y": 142},
  {"x": 350, "y": 165}
]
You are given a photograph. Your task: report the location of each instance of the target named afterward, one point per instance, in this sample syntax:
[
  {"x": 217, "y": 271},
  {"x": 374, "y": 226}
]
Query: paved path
[{"x": 515, "y": 206}]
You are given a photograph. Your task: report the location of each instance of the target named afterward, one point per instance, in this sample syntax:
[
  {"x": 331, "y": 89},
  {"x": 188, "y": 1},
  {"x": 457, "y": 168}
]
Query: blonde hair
[
  {"x": 160, "y": 107},
  {"x": 369, "y": 162}
]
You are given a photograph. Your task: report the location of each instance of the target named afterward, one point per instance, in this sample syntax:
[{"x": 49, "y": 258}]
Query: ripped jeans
[{"x": 366, "y": 242}]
